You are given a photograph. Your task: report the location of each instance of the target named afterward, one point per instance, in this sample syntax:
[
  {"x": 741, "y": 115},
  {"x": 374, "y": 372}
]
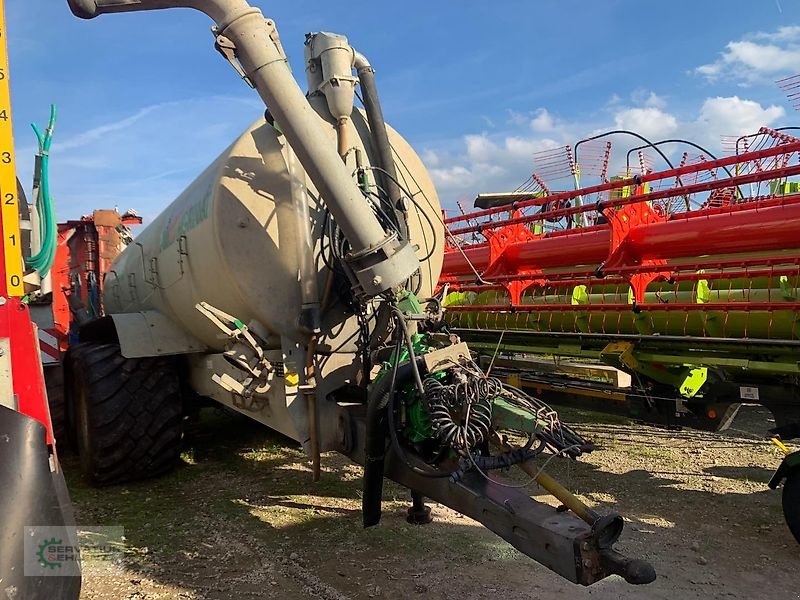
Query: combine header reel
[{"x": 700, "y": 306}]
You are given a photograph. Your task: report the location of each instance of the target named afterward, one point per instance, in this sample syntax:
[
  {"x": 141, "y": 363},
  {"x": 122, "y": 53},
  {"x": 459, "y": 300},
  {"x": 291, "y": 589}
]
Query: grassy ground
[{"x": 241, "y": 518}]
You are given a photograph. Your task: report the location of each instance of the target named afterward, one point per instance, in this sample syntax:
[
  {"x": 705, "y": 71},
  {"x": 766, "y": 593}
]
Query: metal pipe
[
  {"x": 310, "y": 393},
  {"x": 619, "y": 296},
  {"x": 710, "y": 343},
  {"x": 341, "y": 138},
  {"x": 607, "y": 529},
  {"x": 310, "y": 314},
  {"x": 265, "y": 67},
  {"x": 309, "y": 290},
  {"x": 740, "y": 232},
  {"x": 738, "y": 269}
]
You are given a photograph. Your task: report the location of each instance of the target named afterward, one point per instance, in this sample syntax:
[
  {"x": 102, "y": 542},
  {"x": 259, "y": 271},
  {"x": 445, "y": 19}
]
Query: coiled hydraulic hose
[{"x": 42, "y": 261}]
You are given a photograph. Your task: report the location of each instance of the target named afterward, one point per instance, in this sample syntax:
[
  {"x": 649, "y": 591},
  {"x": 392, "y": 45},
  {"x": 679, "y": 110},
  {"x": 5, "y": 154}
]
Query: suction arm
[{"x": 379, "y": 261}]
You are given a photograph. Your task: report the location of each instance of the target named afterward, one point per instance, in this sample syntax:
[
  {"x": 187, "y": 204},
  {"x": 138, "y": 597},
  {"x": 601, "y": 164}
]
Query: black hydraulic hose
[
  {"x": 383, "y": 148},
  {"x": 636, "y": 135},
  {"x": 401, "y": 453},
  {"x": 401, "y": 323},
  {"x": 624, "y": 132},
  {"x": 378, "y": 402},
  {"x": 676, "y": 141}
]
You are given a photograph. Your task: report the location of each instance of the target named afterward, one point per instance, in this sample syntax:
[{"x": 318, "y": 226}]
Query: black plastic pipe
[{"x": 380, "y": 140}]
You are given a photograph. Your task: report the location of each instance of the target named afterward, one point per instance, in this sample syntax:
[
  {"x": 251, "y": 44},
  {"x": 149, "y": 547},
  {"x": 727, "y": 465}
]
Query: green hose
[{"x": 42, "y": 261}]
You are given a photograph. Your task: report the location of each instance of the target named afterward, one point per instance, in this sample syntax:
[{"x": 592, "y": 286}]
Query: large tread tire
[
  {"x": 791, "y": 502},
  {"x": 127, "y": 413},
  {"x": 54, "y": 382}
]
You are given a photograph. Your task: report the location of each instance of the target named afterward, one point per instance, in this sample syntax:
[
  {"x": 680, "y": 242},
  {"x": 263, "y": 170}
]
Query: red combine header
[{"x": 696, "y": 295}]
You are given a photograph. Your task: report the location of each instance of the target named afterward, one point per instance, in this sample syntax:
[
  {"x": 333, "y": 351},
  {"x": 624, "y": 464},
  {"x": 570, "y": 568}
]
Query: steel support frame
[{"x": 556, "y": 539}]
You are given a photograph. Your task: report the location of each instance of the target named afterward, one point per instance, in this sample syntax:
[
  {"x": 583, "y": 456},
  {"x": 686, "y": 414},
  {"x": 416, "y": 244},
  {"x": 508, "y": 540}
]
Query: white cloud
[
  {"x": 538, "y": 121},
  {"x": 486, "y": 162},
  {"x": 783, "y": 34},
  {"x": 735, "y": 116},
  {"x": 543, "y": 121},
  {"x": 650, "y": 121},
  {"x": 101, "y": 131},
  {"x": 502, "y": 161},
  {"x": 480, "y": 148},
  {"x": 518, "y": 118},
  {"x": 524, "y": 148},
  {"x": 655, "y": 101},
  {"x": 457, "y": 180},
  {"x": 451, "y": 177},
  {"x": 430, "y": 158},
  {"x": 757, "y": 56},
  {"x": 765, "y": 58},
  {"x": 646, "y": 98}
]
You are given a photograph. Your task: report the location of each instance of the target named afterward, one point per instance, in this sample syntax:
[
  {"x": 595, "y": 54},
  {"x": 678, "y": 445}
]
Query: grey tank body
[{"x": 230, "y": 239}]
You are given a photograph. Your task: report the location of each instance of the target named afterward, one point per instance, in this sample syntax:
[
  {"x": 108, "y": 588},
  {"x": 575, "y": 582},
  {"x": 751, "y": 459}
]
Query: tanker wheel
[
  {"x": 54, "y": 382},
  {"x": 126, "y": 412},
  {"x": 791, "y": 502}
]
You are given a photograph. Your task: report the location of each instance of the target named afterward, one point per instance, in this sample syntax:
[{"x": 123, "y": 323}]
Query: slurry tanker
[{"x": 293, "y": 282}]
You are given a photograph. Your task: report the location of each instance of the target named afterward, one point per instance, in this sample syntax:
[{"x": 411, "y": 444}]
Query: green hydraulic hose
[{"x": 43, "y": 260}]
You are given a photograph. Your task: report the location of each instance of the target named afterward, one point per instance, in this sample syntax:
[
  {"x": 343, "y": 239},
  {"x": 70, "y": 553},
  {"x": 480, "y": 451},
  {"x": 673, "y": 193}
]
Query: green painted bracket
[
  {"x": 408, "y": 302},
  {"x": 507, "y": 416}
]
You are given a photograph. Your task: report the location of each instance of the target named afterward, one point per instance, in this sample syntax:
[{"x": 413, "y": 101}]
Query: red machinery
[
  {"x": 700, "y": 307},
  {"x": 635, "y": 238},
  {"x": 86, "y": 248},
  {"x": 705, "y": 301}
]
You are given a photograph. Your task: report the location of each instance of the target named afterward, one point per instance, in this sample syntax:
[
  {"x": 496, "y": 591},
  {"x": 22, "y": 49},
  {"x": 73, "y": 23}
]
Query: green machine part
[
  {"x": 665, "y": 359},
  {"x": 687, "y": 379},
  {"x": 702, "y": 321}
]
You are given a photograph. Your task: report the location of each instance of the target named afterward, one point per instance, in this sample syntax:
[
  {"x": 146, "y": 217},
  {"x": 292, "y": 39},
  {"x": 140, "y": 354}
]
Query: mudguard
[
  {"x": 792, "y": 461},
  {"x": 31, "y": 494}
]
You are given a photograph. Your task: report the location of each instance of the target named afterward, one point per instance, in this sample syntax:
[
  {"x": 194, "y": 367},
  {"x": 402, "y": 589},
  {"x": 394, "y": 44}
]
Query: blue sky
[{"x": 477, "y": 87}]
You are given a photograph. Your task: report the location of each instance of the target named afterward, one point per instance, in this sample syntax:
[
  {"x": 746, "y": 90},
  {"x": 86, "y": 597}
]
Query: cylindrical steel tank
[{"x": 231, "y": 239}]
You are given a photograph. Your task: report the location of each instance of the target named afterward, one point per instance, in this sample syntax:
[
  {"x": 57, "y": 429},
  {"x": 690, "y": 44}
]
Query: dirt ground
[{"x": 241, "y": 518}]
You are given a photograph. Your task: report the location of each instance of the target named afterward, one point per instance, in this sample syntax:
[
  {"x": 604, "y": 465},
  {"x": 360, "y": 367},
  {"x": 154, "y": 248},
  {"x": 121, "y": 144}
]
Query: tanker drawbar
[{"x": 293, "y": 282}]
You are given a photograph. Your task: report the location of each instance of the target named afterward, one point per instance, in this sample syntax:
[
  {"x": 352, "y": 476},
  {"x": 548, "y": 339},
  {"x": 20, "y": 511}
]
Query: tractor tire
[
  {"x": 54, "y": 382},
  {"x": 127, "y": 413},
  {"x": 791, "y": 502}
]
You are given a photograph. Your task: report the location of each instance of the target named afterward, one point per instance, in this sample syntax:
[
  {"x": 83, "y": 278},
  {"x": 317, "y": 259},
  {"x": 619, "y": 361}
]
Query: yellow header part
[{"x": 9, "y": 215}]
